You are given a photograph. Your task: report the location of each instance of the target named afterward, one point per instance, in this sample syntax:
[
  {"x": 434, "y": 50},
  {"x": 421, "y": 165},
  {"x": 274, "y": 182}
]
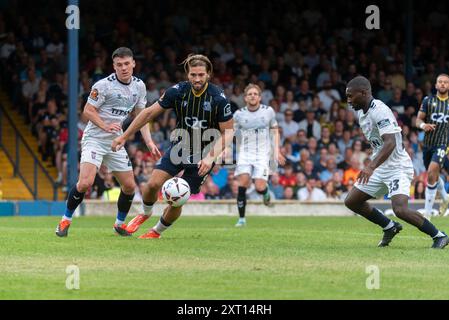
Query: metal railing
[{"x": 16, "y": 150}]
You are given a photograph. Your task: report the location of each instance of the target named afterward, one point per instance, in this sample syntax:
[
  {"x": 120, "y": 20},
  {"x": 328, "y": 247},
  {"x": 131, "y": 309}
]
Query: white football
[{"x": 176, "y": 191}]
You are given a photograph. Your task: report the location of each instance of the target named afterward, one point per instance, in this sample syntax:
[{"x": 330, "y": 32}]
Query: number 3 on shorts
[{"x": 394, "y": 185}]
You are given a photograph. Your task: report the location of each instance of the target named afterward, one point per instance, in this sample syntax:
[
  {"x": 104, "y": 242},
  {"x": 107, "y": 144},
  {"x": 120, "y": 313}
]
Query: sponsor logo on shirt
[{"x": 383, "y": 123}]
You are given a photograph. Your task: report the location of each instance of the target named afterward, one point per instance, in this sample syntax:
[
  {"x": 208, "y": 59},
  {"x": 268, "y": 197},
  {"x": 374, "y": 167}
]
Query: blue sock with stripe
[{"x": 123, "y": 204}]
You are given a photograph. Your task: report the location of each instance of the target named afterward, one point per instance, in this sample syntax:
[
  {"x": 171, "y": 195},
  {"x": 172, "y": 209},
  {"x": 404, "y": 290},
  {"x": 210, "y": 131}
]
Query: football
[{"x": 176, "y": 191}]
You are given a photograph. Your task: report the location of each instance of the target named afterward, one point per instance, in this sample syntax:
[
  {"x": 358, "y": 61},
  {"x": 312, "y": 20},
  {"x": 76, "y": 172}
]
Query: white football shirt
[
  {"x": 114, "y": 101},
  {"x": 253, "y": 133},
  {"x": 380, "y": 120}
]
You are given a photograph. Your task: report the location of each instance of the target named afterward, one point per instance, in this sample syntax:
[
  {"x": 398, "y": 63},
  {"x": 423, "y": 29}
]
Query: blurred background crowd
[{"x": 300, "y": 54}]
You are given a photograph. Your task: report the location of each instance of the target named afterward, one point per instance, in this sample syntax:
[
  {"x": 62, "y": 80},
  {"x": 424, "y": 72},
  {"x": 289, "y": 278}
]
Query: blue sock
[
  {"x": 68, "y": 214},
  {"x": 121, "y": 217},
  {"x": 123, "y": 205}
]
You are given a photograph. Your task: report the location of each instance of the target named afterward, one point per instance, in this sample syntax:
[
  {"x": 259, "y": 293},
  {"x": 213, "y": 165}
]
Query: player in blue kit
[
  {"x": 204, "y": 129},
  {"x": 433, "y": 118}
]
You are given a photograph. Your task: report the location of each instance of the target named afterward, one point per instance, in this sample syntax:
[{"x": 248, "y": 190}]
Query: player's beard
[
  {"x": 442, "y": 92},
  {"x": 254, "y": 105},
  {"x": 195, "y": 86}
]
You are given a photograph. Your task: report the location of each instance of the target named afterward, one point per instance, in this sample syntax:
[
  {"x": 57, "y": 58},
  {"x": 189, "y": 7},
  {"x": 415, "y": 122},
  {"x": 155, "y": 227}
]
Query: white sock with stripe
[{"x": 147, "y": 209}]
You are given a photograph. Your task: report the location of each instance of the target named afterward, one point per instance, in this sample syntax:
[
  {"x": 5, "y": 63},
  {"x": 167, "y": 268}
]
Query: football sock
[
  {"x": 428, "y": 228},
  {"x": 378, "y": 218},
  {"x": 73, "y": 201},
  {"x": 441, "y": 189},
  {"x": 147, "y": 208},
  {"x": 431, "y": 191},
  {"x": 390, "y": 225},
  {"x": 123, "y": 204},
  {"x": 161, "y": 226},
  {"x": 241, "y": 201}
]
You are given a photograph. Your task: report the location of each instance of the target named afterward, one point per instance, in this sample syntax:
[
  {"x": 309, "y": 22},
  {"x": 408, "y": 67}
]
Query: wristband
[{"x": 422, "y": 125}]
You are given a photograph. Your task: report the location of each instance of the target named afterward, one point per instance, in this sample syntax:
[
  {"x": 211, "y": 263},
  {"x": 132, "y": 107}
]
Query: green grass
[{"x": 208, "y": 258}]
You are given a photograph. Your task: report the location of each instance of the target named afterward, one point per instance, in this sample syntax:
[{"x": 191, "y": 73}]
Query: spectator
[
  {"x": 330, "y": 191},
  {"x": 331, "y": 168},
  {"x": 289, "y": 103},
  {"x": 358, "y": 151},
  {"x": 304, "y": 93},
  {"x": 275, "y": 186},
  {"x": 328, "y": 96},
  {"x": 386, "y": 93},
  {"x": 311, "y": 192},
  {"x": 334, "y": 152},
  {"x": 397, "y": 103},
  {"x": 326, "y": 138},
  {"x": 345, "y": 142},
  {"x": 287, "y": 179},
  {"x": 353, "y": 171},
  {"x": 289, "y": 194},
  {"x": 309, "y": 170},
  {"x": 301, "y": 181},
  {"x": 312, "y": 147},
  {"x": 301, "y": 142},
  {"x": 310, "y": 125},
  {"x": 289, "y": 127},
  {"x": 152, "y": 91},
  {"x": 266, "y": 94},
  {"x": 337, "y": 133}
]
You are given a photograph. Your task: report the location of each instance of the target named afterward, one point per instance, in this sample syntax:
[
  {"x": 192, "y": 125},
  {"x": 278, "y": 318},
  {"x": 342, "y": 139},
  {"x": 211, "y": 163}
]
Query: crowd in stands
[{"x": 300, "y": 55}]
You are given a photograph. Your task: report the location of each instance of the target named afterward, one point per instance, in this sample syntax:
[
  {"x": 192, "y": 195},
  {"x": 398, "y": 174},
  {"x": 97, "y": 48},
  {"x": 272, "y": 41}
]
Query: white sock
[
  {"x": 441, "y": 189},
  {"x": 390, "y": 225},
  {"x": 119, "y": 222},
  {"x": 147, "y": 210},
  {"x": 431, "y": 191},
  {"x": 159, "y": 227},
  {"x": 66, "y": 218}
]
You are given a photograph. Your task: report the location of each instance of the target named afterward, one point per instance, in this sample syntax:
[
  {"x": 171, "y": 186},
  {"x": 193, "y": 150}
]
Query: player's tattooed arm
[
  {"x": 92, "y": 115},
  {"x": 382, "y": 156},
  {"x": 142, "y": 119}
]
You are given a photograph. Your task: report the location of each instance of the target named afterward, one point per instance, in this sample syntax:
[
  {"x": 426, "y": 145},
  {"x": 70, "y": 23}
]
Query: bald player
[{"x": 390, "y": 171}]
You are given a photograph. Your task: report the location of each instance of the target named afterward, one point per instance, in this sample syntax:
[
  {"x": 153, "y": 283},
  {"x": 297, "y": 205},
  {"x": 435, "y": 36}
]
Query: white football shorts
[
  {"x": 388, "y": 181},
  {"x": 255, "y": 171},
  {"x": 99, "y": 152}
]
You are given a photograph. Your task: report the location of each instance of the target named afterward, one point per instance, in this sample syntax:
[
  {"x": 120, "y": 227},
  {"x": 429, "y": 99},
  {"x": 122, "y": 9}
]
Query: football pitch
[{"x": 208, "y": 258}]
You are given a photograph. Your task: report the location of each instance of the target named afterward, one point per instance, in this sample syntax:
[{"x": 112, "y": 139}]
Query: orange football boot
[
  {"x": 62, "y": 230},
  {"x": 152, "y": 234},
  {"x": 136, "y": 222}
]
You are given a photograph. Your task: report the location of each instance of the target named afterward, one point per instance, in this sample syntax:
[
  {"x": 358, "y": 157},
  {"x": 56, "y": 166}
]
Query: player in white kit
[
  {"x": 110, "y": 102},
  {"x": 256, "y": 123},
  {"x": 390, "y": 171}
]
